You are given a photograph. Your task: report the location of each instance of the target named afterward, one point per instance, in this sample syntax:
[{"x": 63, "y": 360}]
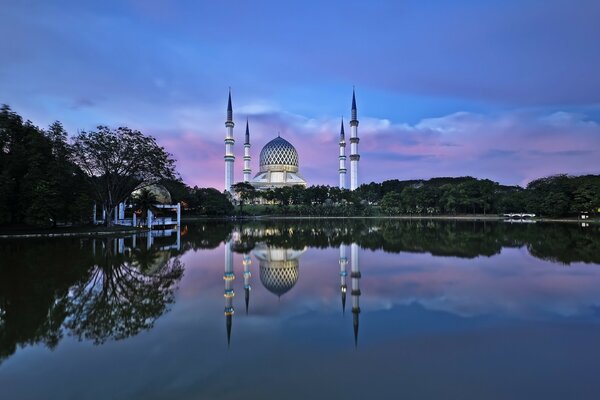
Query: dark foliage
[{"x": 39, "y": 184}]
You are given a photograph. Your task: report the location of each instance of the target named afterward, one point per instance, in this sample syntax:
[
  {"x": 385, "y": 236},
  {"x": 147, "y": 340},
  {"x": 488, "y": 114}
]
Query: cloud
[{"x": 512, "y": 147}]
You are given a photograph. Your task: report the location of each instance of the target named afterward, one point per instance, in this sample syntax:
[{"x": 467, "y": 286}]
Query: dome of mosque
[
  {"x": 161, "y": 194},
  {"x": 279, "y": 152}
]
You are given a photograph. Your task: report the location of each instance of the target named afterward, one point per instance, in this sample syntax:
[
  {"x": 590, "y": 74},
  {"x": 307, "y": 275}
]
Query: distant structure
[
  {"x": 342, "y": 169},
  {"x": 229, "y": 142},
  {"x": 279, "y": 161},
  {"x": 247, "y": 169},
  {"x": 354, "y": 157},
  {"x": 163, "y": 214}
]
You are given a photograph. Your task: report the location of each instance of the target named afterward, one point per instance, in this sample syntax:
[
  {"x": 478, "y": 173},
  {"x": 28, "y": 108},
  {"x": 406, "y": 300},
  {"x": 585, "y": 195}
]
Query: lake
[{"x": 297, "y": 309}]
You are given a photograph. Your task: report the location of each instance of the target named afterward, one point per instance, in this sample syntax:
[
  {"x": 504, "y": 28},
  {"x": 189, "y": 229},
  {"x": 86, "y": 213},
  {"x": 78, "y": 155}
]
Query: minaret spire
[
  {"x": 342, "y": 157},
  {"x": 247, "y": 170},
  {"x": 354, "y": 157},
  {"x": 353, "y": 104},
  {"x": 229, "y": 142},
  {"x": 229, "y": 108},
  {"x": 247, "y": 141}
]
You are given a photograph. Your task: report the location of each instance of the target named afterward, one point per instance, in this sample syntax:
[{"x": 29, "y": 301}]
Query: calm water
[{"x": 305, "y": 309}]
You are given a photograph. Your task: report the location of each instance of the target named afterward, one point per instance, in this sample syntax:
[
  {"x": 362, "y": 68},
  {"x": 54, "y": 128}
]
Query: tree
[
  {"x": 118, "y": 161},
  {"x": 209, "y": 201},
  {"x": 391, "y": 203},
  {"x": 245, "y": 193},
  {"x": 39, "y": 184},
  {"x": 144, "y": 200}
]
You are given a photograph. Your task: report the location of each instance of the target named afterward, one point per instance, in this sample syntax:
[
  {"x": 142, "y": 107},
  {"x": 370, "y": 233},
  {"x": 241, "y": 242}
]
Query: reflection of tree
[
  {"x": 112, "y": 296},
  {"x": 207, "y": 234},
  {"x": 119, "y": 299},
  {"x": 559, "y": 242},
  {"x": 566, "y": 244},
  {"x": 34, "y": 284}
]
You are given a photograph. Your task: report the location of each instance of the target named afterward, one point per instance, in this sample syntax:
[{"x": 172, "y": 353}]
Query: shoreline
[
  {"x": 406, "y": 217},
  {"x": 108, "y": 232},
  {"x": 82, "y": 233}
]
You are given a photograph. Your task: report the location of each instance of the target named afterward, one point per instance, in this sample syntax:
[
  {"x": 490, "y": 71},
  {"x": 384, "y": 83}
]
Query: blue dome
[{"x": 278, "y": 152}]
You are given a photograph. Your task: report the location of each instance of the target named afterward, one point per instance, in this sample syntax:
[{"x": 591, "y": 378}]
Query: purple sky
[{"x": 508, "y": 90}]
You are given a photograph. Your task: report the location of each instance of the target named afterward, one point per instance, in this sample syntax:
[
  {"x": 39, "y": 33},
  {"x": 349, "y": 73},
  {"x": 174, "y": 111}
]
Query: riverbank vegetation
[{"x": 556, "y": 196}]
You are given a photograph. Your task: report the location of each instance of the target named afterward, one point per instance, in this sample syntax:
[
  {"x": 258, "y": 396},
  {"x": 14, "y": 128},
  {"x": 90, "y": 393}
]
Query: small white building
[{"x": 162, "y": 214}]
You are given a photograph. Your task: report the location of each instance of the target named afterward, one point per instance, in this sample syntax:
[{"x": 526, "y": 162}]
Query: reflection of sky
[
  {"x": 430, "y": 326},
  {"x": 511, "y": 285}
]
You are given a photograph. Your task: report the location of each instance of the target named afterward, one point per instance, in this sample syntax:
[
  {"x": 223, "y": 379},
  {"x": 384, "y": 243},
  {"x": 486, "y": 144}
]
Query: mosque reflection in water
[{"x": 279, "y": 273}]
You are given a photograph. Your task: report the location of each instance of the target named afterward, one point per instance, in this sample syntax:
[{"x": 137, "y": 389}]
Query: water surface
[{"x": 302, "y": 308}]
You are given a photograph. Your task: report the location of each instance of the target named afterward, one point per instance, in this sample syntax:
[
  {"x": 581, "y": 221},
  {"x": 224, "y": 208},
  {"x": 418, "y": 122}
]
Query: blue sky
[{"x": 508, "y": 90}]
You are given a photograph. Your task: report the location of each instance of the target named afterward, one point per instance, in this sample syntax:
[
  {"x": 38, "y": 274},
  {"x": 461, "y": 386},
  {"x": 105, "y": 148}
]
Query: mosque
[{"x": 279, "y": 164}]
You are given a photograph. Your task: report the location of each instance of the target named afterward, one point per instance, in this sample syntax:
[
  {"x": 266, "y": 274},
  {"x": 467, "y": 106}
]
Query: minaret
[
  {"x": 247, "y": 261},
  {"x": 355, "y": 276},
  {"x": 342, "y": 169},
  {"x": 247, "y": 170},
  {"x": 229, "y": 141},
  {"x": 354, "y": 157},
  {"x": 228, "y": 277},
  {"x": 343, "y": 274}
]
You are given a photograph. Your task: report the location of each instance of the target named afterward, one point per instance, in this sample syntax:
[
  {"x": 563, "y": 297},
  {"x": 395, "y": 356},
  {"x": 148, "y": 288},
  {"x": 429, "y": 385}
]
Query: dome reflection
[{"x": 278, "y": 267}]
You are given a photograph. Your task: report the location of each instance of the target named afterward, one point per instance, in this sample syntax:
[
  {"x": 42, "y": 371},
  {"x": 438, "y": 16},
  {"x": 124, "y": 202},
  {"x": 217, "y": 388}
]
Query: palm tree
[{"x": 144, "y": 201}]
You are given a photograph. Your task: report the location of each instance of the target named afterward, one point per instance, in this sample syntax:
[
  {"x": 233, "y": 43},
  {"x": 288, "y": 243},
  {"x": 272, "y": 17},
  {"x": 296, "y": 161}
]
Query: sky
[{"x": 507, "y": 90}]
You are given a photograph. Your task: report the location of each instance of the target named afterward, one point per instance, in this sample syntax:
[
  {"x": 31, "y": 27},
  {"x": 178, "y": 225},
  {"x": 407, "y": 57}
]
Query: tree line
[
  {"x": 47, "y": 179},
  {"x": 553, "y": 196}
]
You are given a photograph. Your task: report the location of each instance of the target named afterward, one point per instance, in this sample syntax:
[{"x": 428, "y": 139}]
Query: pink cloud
[{"x": 512, "y": 148}]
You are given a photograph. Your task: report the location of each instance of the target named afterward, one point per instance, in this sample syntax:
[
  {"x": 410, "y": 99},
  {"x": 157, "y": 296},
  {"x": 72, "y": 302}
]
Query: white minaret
[
  {"x": 355, "y": 276},
  {"x": 343, "y": 274},
  {"x": 354, "y": 157},
  {"x": 229, "y": 141},
  {"x": 247, "y": 170},
  {"x": 228, "y": 277},
  {"x": 342, "y": 169}
]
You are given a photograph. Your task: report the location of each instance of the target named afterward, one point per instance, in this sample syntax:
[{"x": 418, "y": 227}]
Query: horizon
[{"x": 508, "y": 92}]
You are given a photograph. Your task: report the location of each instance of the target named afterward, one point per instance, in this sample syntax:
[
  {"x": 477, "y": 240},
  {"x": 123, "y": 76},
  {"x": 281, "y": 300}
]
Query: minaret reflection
[
  {"x": 355, "y": 276},
  {"x": 247, "y": 261},
  {"x": 343, "y": 274},
  {"x": 228, "y": 277}
]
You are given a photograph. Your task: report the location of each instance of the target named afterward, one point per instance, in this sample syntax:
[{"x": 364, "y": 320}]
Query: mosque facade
[{"x": 279, "y": 163}]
